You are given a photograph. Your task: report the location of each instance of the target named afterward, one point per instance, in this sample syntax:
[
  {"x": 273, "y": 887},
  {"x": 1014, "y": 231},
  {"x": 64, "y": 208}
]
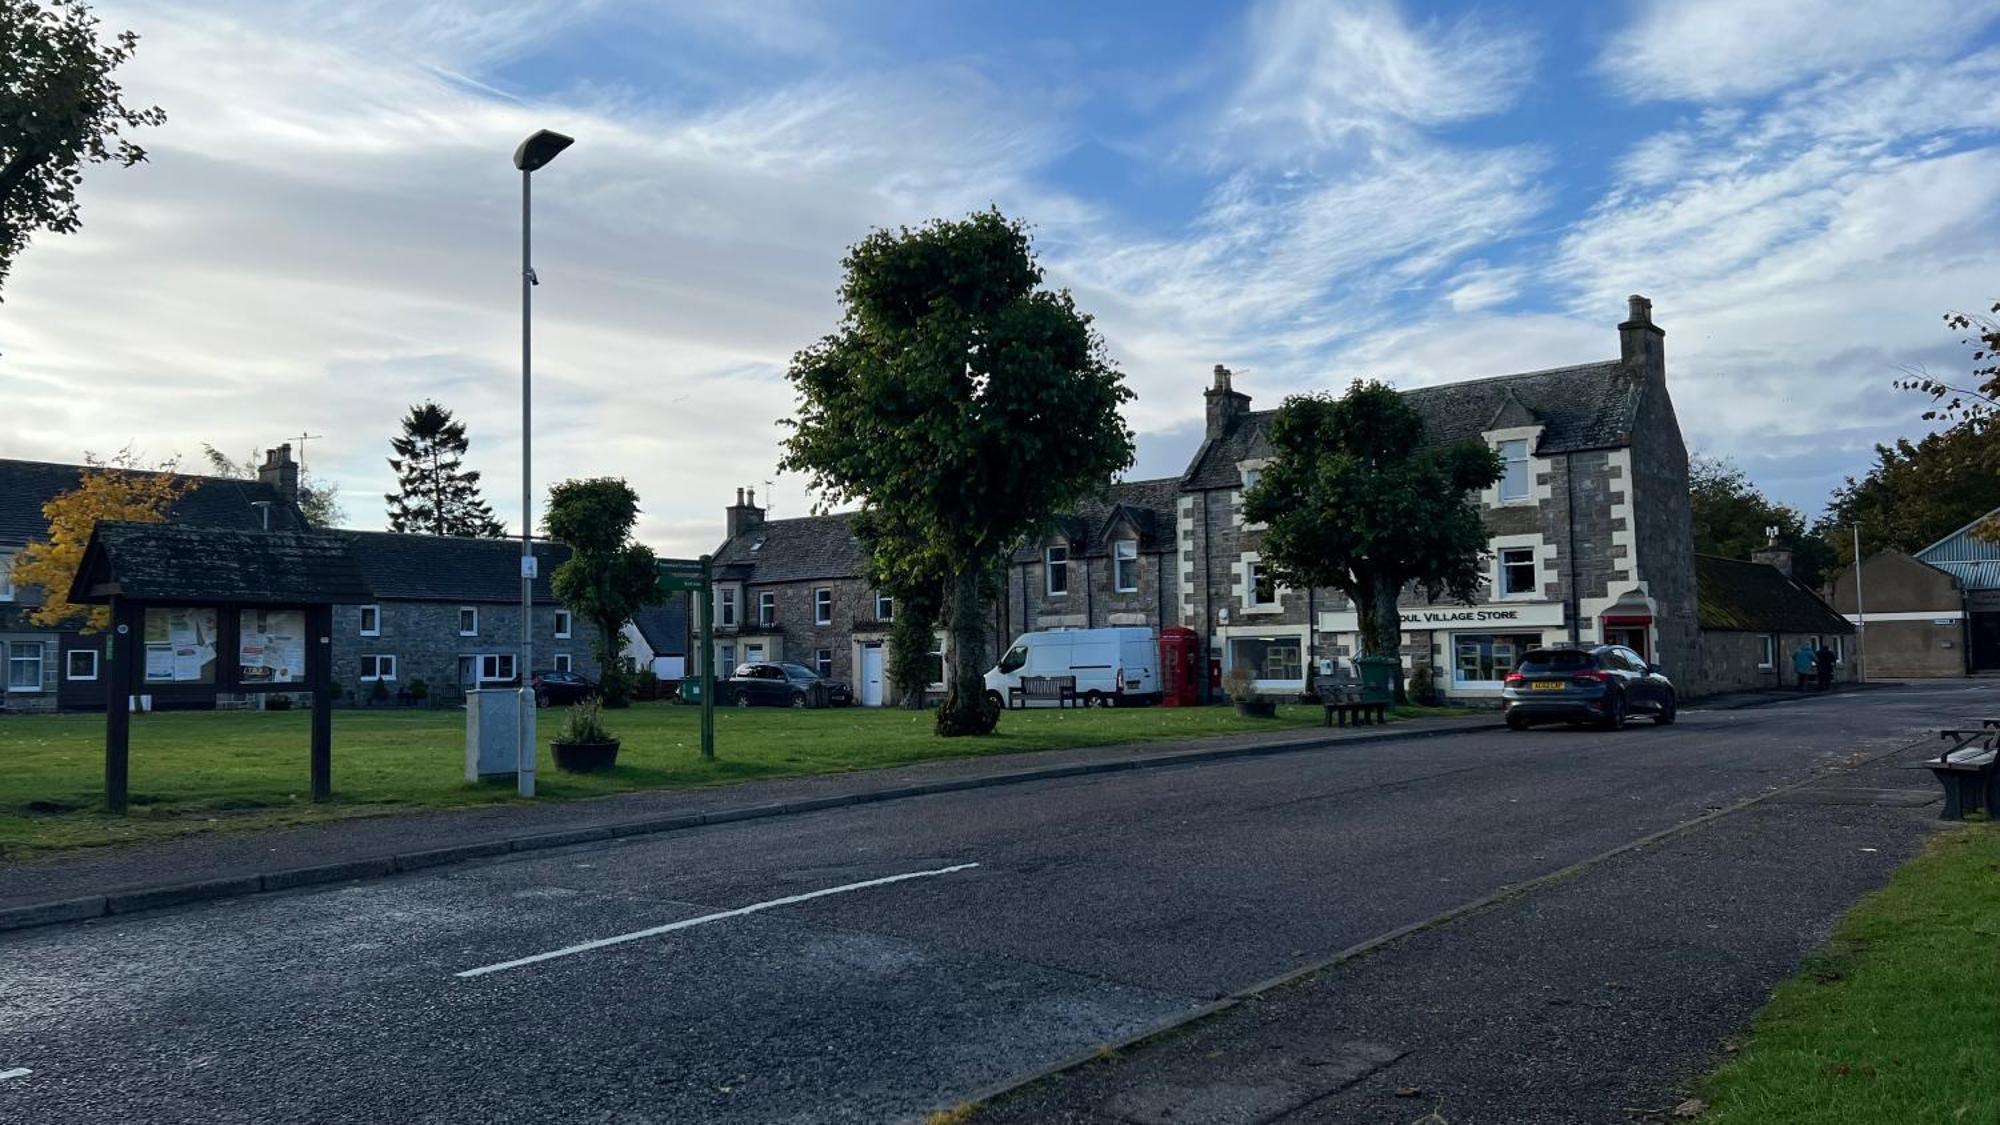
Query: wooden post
[
  {"x": 319, "y": 676},
  {"x": 126, "y": 642}
]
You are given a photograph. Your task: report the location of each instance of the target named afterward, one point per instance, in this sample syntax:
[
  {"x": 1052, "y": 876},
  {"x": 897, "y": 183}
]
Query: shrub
[
  {"x": 378, "y": 691},
  {"x": 584, "y": 723},
  {"x": 614, "y": 688},
  {"x": 1422, "y": 685},
  {"x": 419, "y": 690},
  {"x": 1241, "y": 684}
]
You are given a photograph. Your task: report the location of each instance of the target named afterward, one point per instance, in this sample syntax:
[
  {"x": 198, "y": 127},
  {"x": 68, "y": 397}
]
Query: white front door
[{"x": 871, "y": 676}]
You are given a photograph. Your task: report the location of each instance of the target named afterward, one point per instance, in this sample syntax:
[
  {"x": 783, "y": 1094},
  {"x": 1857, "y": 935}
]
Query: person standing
[
  {"x": 1823, "y": 664},
  {"x": 1804, "y": 659}
]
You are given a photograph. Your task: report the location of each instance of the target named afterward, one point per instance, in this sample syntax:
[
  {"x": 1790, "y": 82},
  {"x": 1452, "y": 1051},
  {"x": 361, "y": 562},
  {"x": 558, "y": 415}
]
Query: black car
[
  {"x": 1603, "y": 684},
  {"x": 782, "y": 685},
  {"x": 561, "y": 688}
]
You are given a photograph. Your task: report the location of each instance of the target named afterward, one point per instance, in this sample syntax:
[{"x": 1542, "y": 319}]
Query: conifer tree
[{"x": 437, "y": 494}]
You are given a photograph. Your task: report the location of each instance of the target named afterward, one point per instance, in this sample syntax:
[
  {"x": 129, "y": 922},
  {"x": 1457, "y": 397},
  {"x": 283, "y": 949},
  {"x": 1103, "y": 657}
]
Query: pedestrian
[
  {"x": 1823, "y": 661},
  {"x": 1803, "y": 661}
]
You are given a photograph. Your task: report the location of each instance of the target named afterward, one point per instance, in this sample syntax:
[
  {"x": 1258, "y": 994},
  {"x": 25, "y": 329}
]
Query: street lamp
[{"x": 534, "y": 152}]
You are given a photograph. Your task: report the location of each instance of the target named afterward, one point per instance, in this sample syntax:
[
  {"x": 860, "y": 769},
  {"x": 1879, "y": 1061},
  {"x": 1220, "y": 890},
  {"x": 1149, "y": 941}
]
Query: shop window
[
  {"x": 1125, "y": 566},
  {"x": 1514, "y": 470},
  {"x": 1269, "y": 658},
  {"x": 1479, "y": 659},
  {"x": 1517, "y": 571}
]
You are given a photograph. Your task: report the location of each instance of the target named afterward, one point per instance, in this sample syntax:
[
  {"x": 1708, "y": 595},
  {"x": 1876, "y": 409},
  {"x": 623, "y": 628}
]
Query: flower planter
[
  {"x": 1257, "y": 708},
  {"x": 586, "y": 757}
]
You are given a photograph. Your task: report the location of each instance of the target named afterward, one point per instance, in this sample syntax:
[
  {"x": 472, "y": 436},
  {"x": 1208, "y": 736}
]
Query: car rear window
[{"x": 1542, "y": 661}]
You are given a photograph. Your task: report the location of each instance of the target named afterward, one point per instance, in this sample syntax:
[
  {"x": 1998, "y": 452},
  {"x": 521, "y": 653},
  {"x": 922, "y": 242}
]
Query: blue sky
[{"x": 1307, "y": 192}]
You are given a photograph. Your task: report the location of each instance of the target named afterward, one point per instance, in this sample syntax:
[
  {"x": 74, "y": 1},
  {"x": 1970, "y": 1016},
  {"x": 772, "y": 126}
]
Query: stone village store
[{"x": 1472, "y": 648}]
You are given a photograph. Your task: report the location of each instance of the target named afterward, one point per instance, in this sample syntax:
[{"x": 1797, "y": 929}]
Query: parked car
[
  {"x": 1118, "y": 667},
  {"x": 1602, "y": 684},
  {"x": 560, "y": 689},
  {"x": 763, "y": 684}
]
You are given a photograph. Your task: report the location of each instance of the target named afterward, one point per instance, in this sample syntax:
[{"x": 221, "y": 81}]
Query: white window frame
[
  {"x": 1125, "y": 552},
  {"x": 69, "y": 668},
  {"x": 725, "y": 607},
  {"x": 1051, "y": 565},
  {"x": 562, "y": 662},
  {"x": 7, "y": 576},
  {"x": 474, "y": 611},
  {"x": 371, "y": 613},
  {"x": 1252, "y": 568},
  {"x": 822, "y": 605},
  {"x": 565, "y": 623},
  {"x": 1767, "y": 652},
  {"x": 885, "y": 608},
  {"x": 823, "y": 662},
  {"x": 21, "y": 652},
  {"x": 1525, "y": 461},
  {"x": 385, "y": 667},
  {"x": 1840, "y": 658},
  {"x": 1534, "y": 565},
  {"x": 767, "y": 608},
  {"x": 938, "y": 650},
  {"x": 498, "y": 677}
]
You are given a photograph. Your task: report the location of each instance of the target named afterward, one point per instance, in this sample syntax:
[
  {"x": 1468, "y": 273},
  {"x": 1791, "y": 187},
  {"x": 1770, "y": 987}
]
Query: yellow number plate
[{"x": 1547, "y": 685}]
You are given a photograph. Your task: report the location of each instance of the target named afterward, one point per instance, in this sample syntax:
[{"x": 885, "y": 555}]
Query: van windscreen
[{"x": 1541, "y": 661}]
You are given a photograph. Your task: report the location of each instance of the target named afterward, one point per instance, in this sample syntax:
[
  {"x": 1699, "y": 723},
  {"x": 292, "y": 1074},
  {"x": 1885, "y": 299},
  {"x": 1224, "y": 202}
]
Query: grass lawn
[
  {"x": 1897, "y": 1019},
  {"x": 196, "y": 771}
]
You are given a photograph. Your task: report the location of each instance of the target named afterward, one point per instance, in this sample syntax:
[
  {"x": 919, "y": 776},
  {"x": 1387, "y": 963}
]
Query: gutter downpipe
[{"x": 1569, "y": 562}]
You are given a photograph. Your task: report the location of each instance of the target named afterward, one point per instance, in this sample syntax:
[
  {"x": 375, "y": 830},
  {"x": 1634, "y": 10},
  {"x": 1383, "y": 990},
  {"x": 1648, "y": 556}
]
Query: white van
[{"x": 1113, "y": 667}]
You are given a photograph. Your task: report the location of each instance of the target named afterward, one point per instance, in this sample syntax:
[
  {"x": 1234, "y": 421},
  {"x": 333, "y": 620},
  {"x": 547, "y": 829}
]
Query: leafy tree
[
  {"x": 319, "y": 501},
  {"x": 1972, "y": 409},
  {"x": 609, "y": 576},
  {"x": 1355, "y": 500},
  {"x": 59, "y": 109},
  {"x": 1917, "y": 492},
  {"x": 103, "y": 493},
  {"x": 436, "y": 494},
  {"x": 965, "y": 406},
  {"x": 1730, "y": 515}
]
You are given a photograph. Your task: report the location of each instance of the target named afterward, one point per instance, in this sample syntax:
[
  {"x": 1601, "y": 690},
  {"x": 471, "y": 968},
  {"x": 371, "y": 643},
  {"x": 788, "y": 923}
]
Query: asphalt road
[{"x": 1029, "y": 923}]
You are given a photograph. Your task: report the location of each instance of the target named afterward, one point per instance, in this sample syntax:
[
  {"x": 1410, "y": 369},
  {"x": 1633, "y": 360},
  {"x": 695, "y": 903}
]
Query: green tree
[
  {"x": 436, "y": 494},
  {"x": 965, "y": 406},
  {"x": 609, "y": 576},
  {"x": 319, "y": 501},
  {"x": 1354, "y": 499},
  {"x": 59, "y": 109},
  {"x": 1731, "y": 516},
  {"x": 914, "y": 578},
  {"x": 1917, "y": 492}
]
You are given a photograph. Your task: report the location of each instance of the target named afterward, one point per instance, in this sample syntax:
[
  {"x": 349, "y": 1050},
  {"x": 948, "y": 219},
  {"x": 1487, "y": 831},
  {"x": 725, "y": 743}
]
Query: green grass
[
  {"x": 1897, "y": 1018},
  {"x": 205, "y": 771}
]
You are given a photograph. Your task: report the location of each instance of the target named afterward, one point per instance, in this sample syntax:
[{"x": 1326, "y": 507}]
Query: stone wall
[
  {"x": 424, "y": 639},
  {"x": 1092, "y": 602},
  {"x": 1728, "y": 661},
  {"x": 1664, "y": 526}
]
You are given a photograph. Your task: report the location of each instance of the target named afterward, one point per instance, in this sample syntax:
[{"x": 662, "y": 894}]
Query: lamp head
[{"x": 539, "y": 149}]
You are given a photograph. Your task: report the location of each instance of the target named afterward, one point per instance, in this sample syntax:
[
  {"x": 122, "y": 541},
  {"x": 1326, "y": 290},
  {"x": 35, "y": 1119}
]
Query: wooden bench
[
  {"x": 1969, "y": 771},
  {"x": 1350, "y": 700},
  {"x": 1061, "y": 689}
]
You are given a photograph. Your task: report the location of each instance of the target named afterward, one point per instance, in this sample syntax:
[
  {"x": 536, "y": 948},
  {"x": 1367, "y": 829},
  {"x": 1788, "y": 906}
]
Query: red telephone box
[{"x": 1180, "y": 667}]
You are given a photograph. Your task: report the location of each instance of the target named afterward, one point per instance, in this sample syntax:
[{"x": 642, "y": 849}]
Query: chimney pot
[
  {"x": 752, "y": 495},
  {"x": 1224, "y": 404},
  {"x": 1641, "y": 343}
]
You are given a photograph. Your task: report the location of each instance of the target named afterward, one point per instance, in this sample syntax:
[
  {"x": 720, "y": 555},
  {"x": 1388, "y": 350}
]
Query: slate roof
[
  {"x": 1588, "y": 406},
  {"x": 442, "y": 568},
  {"x": 214, "y": 501},
  {"x": 1148, "y": 505},
  {"x": 170, "y": 562},
  {"x": 1749, "y": 597},
  {"x": 793, "y": 550},
  {"x": 665, "y": 626}
]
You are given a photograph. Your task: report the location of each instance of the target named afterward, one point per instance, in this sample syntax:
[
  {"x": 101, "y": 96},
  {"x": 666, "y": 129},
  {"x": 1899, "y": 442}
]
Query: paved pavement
[{"x": 1029, "y": 923}]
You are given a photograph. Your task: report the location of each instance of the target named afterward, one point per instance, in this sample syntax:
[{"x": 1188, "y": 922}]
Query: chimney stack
[
  {"x": 1641, "y": 343},
  {"x": 1225, "y": 404},
  {"x": 1780, "y": 557},
  {"x": 742, "y": 515},
  {"x": 281, "y": 472}
]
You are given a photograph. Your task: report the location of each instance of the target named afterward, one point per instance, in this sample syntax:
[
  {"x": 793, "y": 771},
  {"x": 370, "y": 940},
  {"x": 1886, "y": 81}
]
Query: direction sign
[{"x": 679, "y": 574}]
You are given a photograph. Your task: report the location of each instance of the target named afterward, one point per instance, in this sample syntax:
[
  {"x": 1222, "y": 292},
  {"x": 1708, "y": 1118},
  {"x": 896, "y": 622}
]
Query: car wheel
[
  {"x": 1516, "y": 722},
  {"x": 742, "y": 699},
  {"x": 1615, "y": 718},
  {"x": 799, "y": 699},
  {"x": 1666, "y": 712},
  {"x": 994, "y": 701}
]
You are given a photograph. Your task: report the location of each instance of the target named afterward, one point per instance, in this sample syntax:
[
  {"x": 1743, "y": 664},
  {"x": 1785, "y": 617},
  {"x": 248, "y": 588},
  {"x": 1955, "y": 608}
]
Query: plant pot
[
  {"x": 1257, "y": 708},
  {"x": 586, "y": 757}
]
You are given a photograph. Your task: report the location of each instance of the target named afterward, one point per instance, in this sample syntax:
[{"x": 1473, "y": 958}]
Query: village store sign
[{"x": 1493, "y": 615}]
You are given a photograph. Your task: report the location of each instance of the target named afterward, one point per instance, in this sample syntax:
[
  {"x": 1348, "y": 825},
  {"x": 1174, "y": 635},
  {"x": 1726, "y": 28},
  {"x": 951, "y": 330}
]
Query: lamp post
[{"x": 532, "y": 154}]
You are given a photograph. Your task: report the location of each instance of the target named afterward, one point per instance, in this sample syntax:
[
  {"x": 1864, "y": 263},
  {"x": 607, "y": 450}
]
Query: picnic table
[{"x": 1969, "y": 770}]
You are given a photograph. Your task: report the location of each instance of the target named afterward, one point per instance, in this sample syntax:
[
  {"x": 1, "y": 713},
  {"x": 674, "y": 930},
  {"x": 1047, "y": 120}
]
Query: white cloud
[{"x": 1705, "y": 50}]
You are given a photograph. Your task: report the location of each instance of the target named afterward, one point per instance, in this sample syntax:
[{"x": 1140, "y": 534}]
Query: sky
[{"x": 328, "y": 228}]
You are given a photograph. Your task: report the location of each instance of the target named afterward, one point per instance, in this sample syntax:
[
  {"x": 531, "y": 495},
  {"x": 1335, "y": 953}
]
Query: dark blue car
[{"x": 1603, "y": 685}]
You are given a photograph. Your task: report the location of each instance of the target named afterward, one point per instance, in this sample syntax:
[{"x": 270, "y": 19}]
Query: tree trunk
[
  {"x": 1389, "y": 633},
  {"x": 966, "y": 710}
]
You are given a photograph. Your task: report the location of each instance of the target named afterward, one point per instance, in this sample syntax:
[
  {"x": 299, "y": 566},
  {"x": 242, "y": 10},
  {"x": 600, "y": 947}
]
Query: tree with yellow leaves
[{"x": 136, "y": 496}]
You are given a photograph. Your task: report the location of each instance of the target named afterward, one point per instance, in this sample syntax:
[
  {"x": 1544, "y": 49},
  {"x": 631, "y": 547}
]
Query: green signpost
[{"x": 697, "y": 577}]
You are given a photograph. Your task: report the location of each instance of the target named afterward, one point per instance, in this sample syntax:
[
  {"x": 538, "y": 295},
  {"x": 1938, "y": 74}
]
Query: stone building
[
  {"x": 1935, "y": 613},
  {"x": 1111, "y": 562},
  {"x": 1754, "y": 615}
]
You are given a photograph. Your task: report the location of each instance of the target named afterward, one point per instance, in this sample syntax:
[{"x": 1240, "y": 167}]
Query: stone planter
[
  {"x": 586, "y": 757},
  {"x": 1257, "y": 708}
]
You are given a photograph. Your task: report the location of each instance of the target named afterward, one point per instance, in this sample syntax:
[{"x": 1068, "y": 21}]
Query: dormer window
[{"x": 1514, "y": 470}]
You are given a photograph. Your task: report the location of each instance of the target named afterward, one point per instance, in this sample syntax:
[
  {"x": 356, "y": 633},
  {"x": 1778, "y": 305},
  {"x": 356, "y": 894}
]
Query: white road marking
[
  {"x": 686, "y": 923},
  {"x": 17, "y": 1072}
]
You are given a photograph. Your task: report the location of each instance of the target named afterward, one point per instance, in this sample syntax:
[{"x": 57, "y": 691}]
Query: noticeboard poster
[
  {"x": 180, "y": 646},
  {"x": 271, "y": 646}
]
